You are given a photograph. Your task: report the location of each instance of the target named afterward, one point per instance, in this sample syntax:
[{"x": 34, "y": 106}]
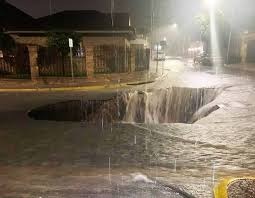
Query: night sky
[
  {"x": 41, "y": 7},
  {"x": 139, "y": 9},
  {"x": 166, "y": 11}
]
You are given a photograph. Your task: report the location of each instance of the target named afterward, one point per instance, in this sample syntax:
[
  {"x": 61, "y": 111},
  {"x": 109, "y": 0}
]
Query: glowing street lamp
[
  {"x": 211, "y": 3},
  {"x": 175, "y": 25}
]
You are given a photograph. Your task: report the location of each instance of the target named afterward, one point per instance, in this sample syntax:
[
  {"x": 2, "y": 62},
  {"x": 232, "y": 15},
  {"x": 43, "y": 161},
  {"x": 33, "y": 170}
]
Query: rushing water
[
  {"x": 172, "y": 105},
  {"x": 189, "y": 154}
]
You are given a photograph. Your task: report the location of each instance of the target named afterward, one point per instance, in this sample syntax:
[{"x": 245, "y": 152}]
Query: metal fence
[
  {"x": 111, "y": 59},
  {"x": 7, "y": 67},
  {"x": 50, "y": 63},
  {"x": 107, "y": 59},
  {"x": 17, "y": 65}
]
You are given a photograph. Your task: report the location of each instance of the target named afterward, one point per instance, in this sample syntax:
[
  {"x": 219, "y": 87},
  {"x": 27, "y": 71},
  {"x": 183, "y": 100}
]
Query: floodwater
[
  {"x": 119, "y": 159},
  {"x": 171, "y": 105}
]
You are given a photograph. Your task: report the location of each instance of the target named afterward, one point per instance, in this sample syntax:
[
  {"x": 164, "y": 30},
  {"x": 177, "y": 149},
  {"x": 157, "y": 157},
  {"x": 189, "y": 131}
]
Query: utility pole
[
  {"x": 112, "y": 10},
  {"x": 230, "y": 35},
  {"x": 152, "y": 24},
  {"x": 157, "y": 58},
  {"x": 71, "y": 56},
  {"x": 50, "y": 6},
  {"x": 229, "y": 42},
  {"x": 151, "y": 13}
]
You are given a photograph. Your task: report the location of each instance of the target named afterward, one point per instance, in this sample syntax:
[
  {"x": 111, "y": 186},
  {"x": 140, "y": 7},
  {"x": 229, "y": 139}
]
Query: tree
[
  {"x": 204, "y": 25},
  {"x": 59, "y": 41},
  {"x": 7, "y": 44},
  {"x": 221, "y": 25}
]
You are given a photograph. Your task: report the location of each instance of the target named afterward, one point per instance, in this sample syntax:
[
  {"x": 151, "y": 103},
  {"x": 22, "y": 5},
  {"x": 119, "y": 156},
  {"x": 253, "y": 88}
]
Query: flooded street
[{"x": 150, "y": 157}]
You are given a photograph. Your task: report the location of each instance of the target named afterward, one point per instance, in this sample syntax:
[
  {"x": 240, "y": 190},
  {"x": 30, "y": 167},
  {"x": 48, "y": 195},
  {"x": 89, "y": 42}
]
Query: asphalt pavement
[{"x": 74, "y": 159}]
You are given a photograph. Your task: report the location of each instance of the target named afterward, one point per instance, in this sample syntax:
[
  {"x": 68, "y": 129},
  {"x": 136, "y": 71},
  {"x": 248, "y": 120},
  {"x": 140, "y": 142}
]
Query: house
[
  {"x": 12, "y": 18},
  {"x": 105, "y": 45}
]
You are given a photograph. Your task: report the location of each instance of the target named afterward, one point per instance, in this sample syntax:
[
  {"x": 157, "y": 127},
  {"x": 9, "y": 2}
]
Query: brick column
[
  {"x": 33, "y": 54},
  {"x": 133, "y": 54},
  {"x": 89, "y": 51}
]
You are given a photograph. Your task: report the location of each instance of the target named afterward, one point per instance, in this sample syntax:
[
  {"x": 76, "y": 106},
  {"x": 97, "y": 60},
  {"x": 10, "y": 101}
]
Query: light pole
[
  {"x": 50, "y": 6},
  {"x": 70, "y": 41},
  {"x": 158, "y": 49},
  {"x": 229, "y": 42},
  {"x": 112, "y": 10},
  {"x": 230, "y": 35},
  {"x": 173, "y": 30},
  {"x": 152, "y": 23},
  {"x": 215, "y": 47},
  {"x": 157, "y": 57},
  {"x": 211, "y": 4}
]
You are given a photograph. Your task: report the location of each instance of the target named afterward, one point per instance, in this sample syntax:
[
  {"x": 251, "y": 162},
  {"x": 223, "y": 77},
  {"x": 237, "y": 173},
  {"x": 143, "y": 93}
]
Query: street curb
[
  {"x": 221, "y": 189},
  {"x": 245, "y": 69},
  {"x": 82, "y": 88},
  {"x": 141, "y": 83}
]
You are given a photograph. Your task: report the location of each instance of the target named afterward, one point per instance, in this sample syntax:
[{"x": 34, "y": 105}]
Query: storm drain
[
  {"x": 173, "y": 105},
  {"x": 243, "y": 188}
]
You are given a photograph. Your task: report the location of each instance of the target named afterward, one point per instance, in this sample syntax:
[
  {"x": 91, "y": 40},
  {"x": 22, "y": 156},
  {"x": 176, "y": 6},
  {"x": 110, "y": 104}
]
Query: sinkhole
[{"x": 172, "y": 105}]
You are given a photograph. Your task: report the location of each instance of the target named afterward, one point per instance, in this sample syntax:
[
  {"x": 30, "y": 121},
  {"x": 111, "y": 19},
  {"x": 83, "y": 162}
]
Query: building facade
[{"x": 105, "y": 45}]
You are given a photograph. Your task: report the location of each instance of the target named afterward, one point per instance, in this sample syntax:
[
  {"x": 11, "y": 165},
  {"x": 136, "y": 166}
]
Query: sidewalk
[
  {"x": 245, "y": 67},
  {"x": 62, "y": 83}
]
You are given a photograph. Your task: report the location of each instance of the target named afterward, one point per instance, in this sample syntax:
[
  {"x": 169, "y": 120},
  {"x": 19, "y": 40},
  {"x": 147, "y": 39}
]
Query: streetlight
[
  {"x": 211, "y": 3},
  {"x": 174, "y": 25}
]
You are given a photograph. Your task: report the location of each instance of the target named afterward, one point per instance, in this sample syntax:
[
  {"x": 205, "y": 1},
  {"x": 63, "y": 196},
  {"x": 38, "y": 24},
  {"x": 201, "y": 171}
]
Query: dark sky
[
  {"x": 166, "y": 11},
  {"x": 38, "y": 8},
  {"x": 139, "y": 9}
]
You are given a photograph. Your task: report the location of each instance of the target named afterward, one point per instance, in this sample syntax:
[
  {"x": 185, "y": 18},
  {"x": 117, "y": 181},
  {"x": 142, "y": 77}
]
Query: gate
[
  {"x": 22, "y": 62},
  {"x": 17, "y": 65},
  {"x": 142, "y": 59},
  {"x": 110, "y": 59},
  {"x": 50, "y": 63}
]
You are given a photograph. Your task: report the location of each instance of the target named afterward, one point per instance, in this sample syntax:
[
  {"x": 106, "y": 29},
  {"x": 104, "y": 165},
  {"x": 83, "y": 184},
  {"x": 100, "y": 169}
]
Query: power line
[
  {"x": 112, "y": 10},
  {"x": 50, "y": 6}
]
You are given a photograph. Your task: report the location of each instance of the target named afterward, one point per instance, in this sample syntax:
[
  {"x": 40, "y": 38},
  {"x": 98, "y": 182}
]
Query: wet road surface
[{"x": 66, "y": 159}]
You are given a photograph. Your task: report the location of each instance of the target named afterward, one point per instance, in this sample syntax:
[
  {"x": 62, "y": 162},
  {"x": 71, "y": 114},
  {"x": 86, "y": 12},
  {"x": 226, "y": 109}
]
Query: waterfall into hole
[{"x": 172, "y": 105}]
